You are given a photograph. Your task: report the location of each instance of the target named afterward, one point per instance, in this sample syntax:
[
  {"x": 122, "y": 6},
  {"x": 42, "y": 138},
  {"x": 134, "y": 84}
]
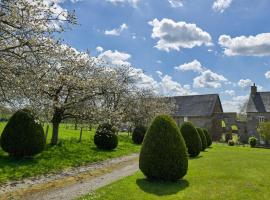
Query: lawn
[
  {"x": 69, "y": 153},
  {"x": 221, "y": 172}
]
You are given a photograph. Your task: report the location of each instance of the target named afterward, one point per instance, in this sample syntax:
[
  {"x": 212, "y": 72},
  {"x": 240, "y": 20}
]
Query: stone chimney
[{"x": 253, "y": 90}]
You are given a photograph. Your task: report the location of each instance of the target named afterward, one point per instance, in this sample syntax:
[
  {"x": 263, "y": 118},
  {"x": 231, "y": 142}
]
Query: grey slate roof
[
  {"x": 259, "y": 102},
  {"x": 195, "y": 105}
]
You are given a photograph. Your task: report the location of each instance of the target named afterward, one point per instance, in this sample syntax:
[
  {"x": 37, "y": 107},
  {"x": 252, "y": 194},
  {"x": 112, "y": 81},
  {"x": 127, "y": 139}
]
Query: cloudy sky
[{"x": 183, "y": 46}]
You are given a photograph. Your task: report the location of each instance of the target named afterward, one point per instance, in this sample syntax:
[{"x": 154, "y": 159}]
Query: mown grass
[
  {"x": 69, "y": 153},
  {"x": 221, "y": 172}
]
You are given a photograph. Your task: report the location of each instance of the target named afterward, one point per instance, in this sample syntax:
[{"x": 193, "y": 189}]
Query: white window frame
[{"x": 261, "y": 118}]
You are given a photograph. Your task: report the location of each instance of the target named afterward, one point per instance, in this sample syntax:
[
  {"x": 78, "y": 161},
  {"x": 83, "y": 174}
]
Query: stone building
[
  {"x": 257, "y": 110},
  {"x": 202, "y": 110}
]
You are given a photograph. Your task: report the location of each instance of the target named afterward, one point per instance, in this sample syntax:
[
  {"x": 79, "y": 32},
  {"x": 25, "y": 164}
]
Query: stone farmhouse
[
  {"x": 206, "y": 111},
  {"x": 201, "y": 110}
]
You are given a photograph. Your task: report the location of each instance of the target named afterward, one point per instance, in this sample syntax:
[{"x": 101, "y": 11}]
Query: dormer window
[{"x": 261, "y": 118}]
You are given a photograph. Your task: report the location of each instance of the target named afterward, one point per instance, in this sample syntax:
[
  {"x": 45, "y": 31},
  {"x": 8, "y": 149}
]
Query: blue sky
[{"x": 183, "y": 46}]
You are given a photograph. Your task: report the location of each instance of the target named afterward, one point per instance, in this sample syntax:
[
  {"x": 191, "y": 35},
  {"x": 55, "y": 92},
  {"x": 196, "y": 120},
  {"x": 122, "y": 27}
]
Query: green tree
[{"x": 264, "y": 130}]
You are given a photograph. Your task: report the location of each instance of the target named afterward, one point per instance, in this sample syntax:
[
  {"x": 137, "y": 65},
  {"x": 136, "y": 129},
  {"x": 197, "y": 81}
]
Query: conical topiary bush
[
  {"x": 208, "y": 137},
  {"x": 192, "y": 138},
  {"x": 203, "y": 138},
  {"x": 163, "y": 154},
  {"x": 23, "y": 136}
]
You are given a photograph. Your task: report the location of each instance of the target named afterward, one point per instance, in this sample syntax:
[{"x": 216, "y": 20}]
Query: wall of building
[{"x": 210, "y": 123}]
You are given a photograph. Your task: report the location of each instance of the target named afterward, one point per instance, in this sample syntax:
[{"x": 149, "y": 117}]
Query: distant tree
[{"x": 264, "y": 130}]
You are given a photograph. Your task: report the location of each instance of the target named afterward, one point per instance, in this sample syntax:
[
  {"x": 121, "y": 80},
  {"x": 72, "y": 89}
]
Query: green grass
[
  {"x": 222, "y": 172},
  {"x": 69, "y": 153}
]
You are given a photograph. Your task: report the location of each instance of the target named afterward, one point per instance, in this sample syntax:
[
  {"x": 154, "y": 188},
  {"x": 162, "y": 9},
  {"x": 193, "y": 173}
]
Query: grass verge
[
  {"x": 222, "y": 172},
  {"x": 69, "y": 153}
]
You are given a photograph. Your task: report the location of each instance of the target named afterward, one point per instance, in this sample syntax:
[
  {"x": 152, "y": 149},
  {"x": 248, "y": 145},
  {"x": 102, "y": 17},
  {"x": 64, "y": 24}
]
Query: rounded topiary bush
[
  {"x": 231, "y": 143},
  {"x": 105, "y": 137},
  {"x": 138, "y": 134},
  {"x": 208, "y": 137},
  {"x": 23, "y": 136},
  {"x": 163, "y": 154},
  {"x": 252, "y": 141},
  {"x": 203, "y": 138},
  {"x": 192, "y": 138},
  {"x": 228, "y": 136}
]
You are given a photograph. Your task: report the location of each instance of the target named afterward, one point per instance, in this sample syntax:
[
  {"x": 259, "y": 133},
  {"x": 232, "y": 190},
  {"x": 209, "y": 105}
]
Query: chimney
[{"x": 253, "y": 90}]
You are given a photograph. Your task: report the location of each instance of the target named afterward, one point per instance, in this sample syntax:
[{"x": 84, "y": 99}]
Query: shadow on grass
[
  {"x": 197, "y": 157},
  {"x": 162, "y": 188}
]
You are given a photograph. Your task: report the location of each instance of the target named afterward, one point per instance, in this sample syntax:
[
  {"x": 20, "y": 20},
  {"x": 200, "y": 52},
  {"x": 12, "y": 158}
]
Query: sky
[{"x": 180, "y": 47}]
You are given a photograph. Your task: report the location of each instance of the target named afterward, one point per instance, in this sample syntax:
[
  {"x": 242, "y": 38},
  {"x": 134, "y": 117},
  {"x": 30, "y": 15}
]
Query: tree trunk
[
  {"x": 57, "y": 118},
  {"x": 54, "y": 139}
]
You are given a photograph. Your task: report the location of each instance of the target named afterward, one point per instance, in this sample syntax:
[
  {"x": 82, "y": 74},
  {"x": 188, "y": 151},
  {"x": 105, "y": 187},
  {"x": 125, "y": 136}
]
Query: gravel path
[{"x": 72, "y": 183}]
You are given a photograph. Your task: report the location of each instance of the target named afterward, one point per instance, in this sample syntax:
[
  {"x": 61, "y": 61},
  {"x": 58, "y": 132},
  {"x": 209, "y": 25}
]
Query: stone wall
[{"x": 212, "y": 124}]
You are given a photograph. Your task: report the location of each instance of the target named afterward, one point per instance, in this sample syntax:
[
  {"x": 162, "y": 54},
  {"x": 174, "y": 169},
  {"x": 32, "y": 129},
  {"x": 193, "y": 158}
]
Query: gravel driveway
[{"x": 72, "y": 183}]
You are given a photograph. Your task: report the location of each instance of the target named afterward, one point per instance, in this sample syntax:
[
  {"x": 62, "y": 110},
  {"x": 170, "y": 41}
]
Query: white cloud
[
  {"x": 133, "y": 3},
  {"x": 115, "y": 57},
  {"x": 173, "y": 35},
  {"x": 235, "y": 104},
  {"x": 169, "y": 87},
  {"x": 208, "y": 79},
  {"x": 116, "y": 31},
  {"x": 221, "y": 5},
  {"x": 229, "y": 92},
  {"x": 166, "y": 86},
  {"x": 159, "y": 73},
  {"x": 245, "y": 83},
  {"x": 258, "y": 45},
  {"x": 267, "y": 75},
  {"x": 194, "y": 65},
  {"x": 99, "y": 49},
  {"x": 176, "y": 3},
  {"x": 143, "y": 80}
]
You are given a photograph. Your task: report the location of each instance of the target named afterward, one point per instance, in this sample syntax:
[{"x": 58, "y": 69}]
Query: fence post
[
  {"x": 80, "y": 135},
  {"x": 46, "y": 133}
]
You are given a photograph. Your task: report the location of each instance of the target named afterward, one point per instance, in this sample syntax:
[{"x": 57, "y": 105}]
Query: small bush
[
  {"x": 231, "y": 143},
  {"x": 163, "y": 154},
  {"x": 203, "y": 139},
  {"x": 228, "y": 136},
  {"x": 252, "y": 141},
  {"x": 138, "y": 134},
  {"x": 208, "y": 137},
  {"x": 105, "y": 137},
  {"x": 23, "y": 136},
  {"x": 192, "y": 138}
]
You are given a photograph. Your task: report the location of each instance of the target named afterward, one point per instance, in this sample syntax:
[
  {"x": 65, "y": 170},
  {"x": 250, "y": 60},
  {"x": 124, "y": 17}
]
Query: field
[
  {"x": 69, "y": 153},
  {"x": 222, "y": 172}
]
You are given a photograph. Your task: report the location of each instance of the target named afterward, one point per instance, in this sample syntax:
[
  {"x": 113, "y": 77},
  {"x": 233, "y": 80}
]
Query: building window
[
  {"x": 185, "y": 119},
  {"x": 260, "y": 118}
]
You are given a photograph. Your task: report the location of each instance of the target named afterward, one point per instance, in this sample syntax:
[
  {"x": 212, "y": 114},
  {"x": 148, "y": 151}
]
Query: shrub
[
  {"x": 231, "y": 143},
  {"x": 192, "y": 138},
  {"x": 203, "y": 138},
  {"x": 208, "y": 137},
  {"x": 105, "y": 137},
  {"x": 138, "y": 134},
  {"x": 163, "y": 154},
  {"x": 252, "y": 141},
  {"x": 23, "y": 136},
  {"x": 228, "y": 136}
]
